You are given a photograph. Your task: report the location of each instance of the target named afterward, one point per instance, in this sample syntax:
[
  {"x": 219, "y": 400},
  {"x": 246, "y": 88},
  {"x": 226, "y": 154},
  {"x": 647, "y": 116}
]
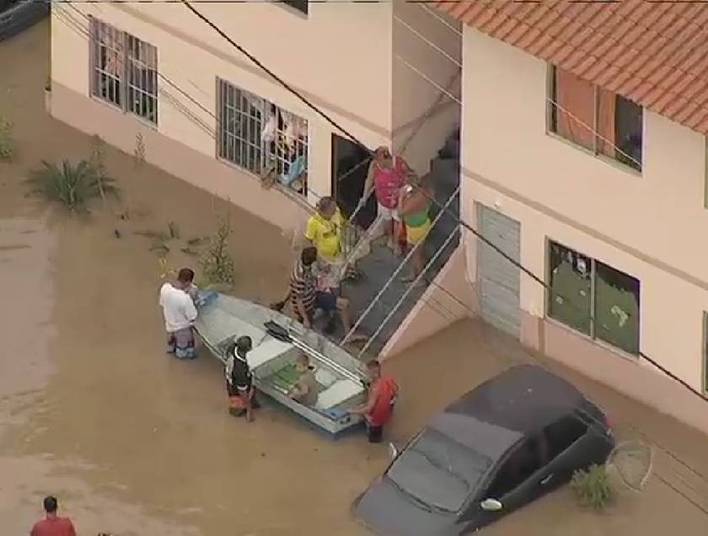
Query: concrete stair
[{"x": 379, "y": 266}]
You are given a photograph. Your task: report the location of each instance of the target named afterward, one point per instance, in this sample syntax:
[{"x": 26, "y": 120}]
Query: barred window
[
  {"x": 261, "y": 137},
  {"x": 123, "y": 70}
]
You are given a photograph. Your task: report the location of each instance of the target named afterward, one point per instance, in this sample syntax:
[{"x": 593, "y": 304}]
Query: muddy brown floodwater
[{"x": 136, "y": 443}]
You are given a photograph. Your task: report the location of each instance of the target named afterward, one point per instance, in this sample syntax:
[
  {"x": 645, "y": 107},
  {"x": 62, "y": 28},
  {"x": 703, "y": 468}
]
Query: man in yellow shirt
[{"x": 324, "y": 231}]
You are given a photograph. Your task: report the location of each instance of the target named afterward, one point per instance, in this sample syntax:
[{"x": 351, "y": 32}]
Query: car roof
[{"x": 498, "y": 413}]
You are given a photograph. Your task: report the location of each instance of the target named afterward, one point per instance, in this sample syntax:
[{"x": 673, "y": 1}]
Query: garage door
[{"x": 498, "y": 278}]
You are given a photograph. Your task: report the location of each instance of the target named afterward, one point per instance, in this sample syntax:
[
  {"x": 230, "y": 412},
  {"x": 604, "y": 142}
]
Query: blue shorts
[{"x": 327, "y": 301}]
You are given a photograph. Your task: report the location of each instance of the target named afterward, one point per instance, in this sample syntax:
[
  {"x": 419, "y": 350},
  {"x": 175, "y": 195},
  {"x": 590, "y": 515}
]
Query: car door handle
[{"x": 547, "y": 479}]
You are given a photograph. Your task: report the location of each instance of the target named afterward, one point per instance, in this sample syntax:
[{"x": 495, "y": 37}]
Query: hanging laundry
[{"x": 269, "y": 128}]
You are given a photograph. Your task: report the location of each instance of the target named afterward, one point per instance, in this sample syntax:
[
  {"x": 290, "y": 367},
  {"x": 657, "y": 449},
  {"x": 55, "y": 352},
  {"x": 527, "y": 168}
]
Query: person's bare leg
[
  {"x": 395, "y": 242},
  {"x": 418, "y": 264},
  {"x": 249, "y": 408},
  {"x": 343, "y": 310}
]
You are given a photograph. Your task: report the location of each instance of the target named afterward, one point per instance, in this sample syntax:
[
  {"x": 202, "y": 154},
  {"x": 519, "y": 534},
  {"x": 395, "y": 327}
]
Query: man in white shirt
[{"x": 177, "y": 302}]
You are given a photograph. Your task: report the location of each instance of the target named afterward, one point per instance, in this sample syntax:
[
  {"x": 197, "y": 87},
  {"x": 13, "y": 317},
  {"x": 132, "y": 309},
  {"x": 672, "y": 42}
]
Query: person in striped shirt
[{"x": 305, "y": 296}]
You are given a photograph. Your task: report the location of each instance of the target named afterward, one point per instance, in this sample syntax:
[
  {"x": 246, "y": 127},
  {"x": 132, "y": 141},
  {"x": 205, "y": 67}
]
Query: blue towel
[
  {"x": 297, "y": 168},
  {"x": 205, "y": 297}
]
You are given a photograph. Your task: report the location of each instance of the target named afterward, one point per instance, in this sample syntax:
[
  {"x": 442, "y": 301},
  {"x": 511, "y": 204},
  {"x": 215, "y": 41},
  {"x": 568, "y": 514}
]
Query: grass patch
[
  {"x": 592, "y": 487},
  {"x": 74, "y": 186},
  {"x": 217, "y": 263}
]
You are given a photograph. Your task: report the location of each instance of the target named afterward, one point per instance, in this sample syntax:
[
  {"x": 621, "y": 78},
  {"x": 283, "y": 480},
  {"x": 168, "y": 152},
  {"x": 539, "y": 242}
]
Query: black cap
[{"x": 244, "y": 343}]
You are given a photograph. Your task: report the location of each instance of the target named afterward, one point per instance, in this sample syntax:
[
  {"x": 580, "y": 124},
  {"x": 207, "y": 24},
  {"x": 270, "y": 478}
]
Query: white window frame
[
  {"x": 247, "y": 149},
  {"x": 131, "y": 67}
]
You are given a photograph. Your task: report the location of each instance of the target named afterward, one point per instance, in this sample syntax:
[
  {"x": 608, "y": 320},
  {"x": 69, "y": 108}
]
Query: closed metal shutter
[{"x": 498, "y": 278}]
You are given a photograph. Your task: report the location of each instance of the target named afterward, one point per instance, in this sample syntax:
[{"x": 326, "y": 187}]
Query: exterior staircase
[{"x": 380, "y": 265}]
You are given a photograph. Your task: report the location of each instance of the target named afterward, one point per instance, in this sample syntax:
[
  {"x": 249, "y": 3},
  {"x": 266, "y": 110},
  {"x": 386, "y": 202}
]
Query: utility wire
[
  {"x": 459, "y": 220},
  {"x": 438, "y": 307}
]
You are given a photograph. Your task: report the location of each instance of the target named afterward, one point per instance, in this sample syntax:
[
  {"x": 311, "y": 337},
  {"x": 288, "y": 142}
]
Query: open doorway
[{"x": 350, "y": 165}]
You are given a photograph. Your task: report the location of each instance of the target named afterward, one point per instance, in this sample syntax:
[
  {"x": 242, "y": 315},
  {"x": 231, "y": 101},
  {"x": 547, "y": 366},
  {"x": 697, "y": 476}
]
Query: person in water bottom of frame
[{"x": 239, "y": 380}]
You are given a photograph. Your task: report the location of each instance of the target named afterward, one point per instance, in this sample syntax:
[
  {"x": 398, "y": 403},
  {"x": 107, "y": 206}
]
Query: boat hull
[{"x": 223, "y": 318}]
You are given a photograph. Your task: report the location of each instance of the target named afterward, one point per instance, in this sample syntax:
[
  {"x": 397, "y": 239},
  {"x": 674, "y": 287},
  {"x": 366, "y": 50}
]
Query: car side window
[
  {"x": 525, "y": 460},
  {"x": 562, "y": 433}
]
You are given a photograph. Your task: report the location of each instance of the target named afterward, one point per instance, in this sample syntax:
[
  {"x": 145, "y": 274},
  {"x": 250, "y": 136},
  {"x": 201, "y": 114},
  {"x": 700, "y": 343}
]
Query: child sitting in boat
[{"x": 305, "y": 389}]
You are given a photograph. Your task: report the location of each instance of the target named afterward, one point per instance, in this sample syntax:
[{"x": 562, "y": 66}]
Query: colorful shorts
[
  {"x": 415, "y": 235},
  {"x": 181, "y": 343}
]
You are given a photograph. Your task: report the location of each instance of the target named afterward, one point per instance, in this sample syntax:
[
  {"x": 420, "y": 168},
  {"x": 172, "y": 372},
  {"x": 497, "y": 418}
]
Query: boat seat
[
  {"x": 338, "y": 392},
  {"x": 266, "y": 351}
]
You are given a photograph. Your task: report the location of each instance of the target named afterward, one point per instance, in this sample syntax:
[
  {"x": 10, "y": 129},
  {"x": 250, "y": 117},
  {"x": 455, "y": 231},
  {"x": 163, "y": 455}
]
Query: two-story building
[
  {"x": 584, "y": 159},
  {"x": 157, "y": 77}
]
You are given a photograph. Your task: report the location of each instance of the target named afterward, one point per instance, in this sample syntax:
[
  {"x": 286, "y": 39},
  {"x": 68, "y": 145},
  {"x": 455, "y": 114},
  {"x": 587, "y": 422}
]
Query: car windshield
[{"x": 438, "y": 471}]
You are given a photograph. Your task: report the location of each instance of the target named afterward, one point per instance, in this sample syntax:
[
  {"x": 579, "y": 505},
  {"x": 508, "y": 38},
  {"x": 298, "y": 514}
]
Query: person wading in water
[
  {"x": 239, "y": 380},
  {"x": 177, "y": 302}
]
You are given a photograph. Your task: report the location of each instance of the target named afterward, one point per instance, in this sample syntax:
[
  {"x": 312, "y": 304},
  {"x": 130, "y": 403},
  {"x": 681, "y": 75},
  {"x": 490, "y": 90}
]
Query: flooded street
[{"x": 134, "y": 442}]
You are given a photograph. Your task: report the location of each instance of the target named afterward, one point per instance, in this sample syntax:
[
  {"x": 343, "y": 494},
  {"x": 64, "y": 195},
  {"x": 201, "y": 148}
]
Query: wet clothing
[
  {"x": 239, "y": 384},
  {"x": 54, "y": 526},
  {"x": 177, "y": 307},
  {"x": 238, "y": 373},
  {"x": 389, "y": 181},
  {"x": 385, "y": 391},
  {"x": 182, "y": 343},
  {"x": 326, "y": 235}
]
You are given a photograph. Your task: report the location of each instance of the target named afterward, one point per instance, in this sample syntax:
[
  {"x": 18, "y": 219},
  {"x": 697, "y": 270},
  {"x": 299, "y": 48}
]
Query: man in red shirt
[
  {"x": 378, "y": 409},
  {"x": 53, "y": 525}
]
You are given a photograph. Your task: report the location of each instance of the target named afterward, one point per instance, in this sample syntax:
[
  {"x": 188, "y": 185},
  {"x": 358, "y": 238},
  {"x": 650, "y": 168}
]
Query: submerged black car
[{"x": 504, "y": 444}]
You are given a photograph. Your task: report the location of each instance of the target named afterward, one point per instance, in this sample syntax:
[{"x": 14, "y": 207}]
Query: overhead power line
[
  {"x": 436, "y": 304},
  {"x": 459, "y": 220}
]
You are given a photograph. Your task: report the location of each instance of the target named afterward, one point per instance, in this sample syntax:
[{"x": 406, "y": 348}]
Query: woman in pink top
[{"x": 387, "y": 175}]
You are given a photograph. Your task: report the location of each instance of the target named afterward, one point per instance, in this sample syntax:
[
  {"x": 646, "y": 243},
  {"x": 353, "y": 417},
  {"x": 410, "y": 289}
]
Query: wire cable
[{"x": 459, "y": 220}]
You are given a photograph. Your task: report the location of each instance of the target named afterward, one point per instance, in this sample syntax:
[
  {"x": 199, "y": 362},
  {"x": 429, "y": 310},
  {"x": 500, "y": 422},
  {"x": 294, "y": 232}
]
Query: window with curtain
[
  {"x": 596, "y": 119},
  {"x": 593, "y": 298}
]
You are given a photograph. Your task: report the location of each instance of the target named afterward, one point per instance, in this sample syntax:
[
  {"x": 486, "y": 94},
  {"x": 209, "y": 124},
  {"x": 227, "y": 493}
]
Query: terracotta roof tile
[{"x": 654, "y": 53}]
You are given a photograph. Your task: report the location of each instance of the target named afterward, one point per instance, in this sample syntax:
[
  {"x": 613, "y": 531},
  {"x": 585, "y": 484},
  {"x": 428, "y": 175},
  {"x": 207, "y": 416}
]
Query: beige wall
[
  {"x": 650, "y": 226},
  {"x": 191, "y": 56},
  {"x": 418, "y": 136},
  {"x": 436, "y": 309}
]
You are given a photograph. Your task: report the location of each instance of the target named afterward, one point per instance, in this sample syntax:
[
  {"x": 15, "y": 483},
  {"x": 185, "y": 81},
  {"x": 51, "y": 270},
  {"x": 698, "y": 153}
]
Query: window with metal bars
[
  {"x": 261, "y": 137},
  {"x": 123, "y": 70}
]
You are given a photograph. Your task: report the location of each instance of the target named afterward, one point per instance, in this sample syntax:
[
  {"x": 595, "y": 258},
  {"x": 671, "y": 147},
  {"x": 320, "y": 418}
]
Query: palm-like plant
[{"x": 72, "y": 185}]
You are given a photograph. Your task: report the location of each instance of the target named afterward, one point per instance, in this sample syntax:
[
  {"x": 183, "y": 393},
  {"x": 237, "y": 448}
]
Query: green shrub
[
  {"x": 72, "y": 185},
  {"x": 7, "y": 141},
  {"x": 216, "y": 263},
  {"x": 592, "y": 487}
]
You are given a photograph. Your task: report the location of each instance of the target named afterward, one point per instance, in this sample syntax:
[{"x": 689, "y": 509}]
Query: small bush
[
  {"x": 592, "y": 487},
  {"x": 72, "y": 185},
  {"x": 7, "y": 141},
  {"x": 217, "y": 264}
]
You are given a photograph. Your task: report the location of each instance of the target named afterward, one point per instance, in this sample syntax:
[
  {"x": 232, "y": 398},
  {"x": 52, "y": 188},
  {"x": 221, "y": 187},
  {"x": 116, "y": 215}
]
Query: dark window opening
[
  {"x": 594, "y": 298},
  {"x": 563, "y": 433},
  {"x": 598, "y": 120},
  {"x": 300, "y": 5},
  {"x": 528, "y": 458}
]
